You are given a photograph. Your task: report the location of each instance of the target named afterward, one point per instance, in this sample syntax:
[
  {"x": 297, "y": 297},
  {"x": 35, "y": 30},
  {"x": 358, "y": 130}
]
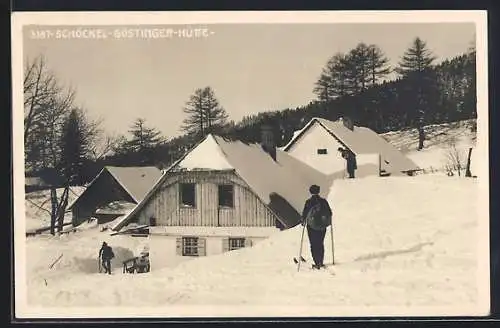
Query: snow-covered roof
[
  {"x": 207, "y": 155},
  {"x": 283, "y": 185},
  {"x": 135, "y": 180},
  {"x": 360, "y": 140},
  {"x": 116, "y": 207}
]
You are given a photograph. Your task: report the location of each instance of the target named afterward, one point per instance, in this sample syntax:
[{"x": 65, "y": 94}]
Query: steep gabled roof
[
  {"x": 360, "y": 140},
  {"x": 136, "y": 181},
  {"x": 282, "y": 185}
]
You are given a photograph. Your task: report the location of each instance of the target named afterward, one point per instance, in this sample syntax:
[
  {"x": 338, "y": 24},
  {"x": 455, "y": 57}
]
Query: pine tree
[
  {"x": 332, "y": 82},
  {"x": 74, "y": 147},
  {"x": 143, "y": 137},
  {"x": 204, "y": 113},
  {"x": 416, "y": 66},
  {"x": 416, "y": 59},
  {"x": 378, "y": 64},
  {"x": 358, "y": 68},
  {"x": 351, "y": 73},
  {"x": 142, "y": 147}
]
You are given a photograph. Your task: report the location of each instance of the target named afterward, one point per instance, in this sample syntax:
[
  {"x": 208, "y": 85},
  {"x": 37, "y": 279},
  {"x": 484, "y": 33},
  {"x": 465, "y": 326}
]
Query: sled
[{"x": 138, "y": 264}]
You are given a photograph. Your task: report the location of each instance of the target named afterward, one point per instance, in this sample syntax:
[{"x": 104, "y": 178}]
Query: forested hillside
[{"x": 360, "y": 83}]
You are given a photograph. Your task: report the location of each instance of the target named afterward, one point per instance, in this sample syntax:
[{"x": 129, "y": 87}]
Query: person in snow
[
  {"x": 105, "y": 255},
  {"x": 351, "y": 161},
  {"x": 317, "y": 215}
]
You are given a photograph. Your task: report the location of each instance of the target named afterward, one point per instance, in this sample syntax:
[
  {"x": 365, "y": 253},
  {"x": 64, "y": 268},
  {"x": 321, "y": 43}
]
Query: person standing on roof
[
  {"x": 350, "y": 159},
  {"x": 106, "y": 254},
  {"x": 317, "y": 214}
]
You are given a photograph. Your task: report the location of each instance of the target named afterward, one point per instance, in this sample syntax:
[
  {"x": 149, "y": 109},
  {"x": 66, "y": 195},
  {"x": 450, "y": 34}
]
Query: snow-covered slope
[
  {"x": 439, "y": 143},
  {"x": 403, "y": 243},
  {"x": 403, "y": 246}
]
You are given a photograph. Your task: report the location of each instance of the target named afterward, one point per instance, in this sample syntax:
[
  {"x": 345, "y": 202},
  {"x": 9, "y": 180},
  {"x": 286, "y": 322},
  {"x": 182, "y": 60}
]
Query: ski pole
[
  {"x": 300, "y": 248},
  {"x": 333, "y": 249}
]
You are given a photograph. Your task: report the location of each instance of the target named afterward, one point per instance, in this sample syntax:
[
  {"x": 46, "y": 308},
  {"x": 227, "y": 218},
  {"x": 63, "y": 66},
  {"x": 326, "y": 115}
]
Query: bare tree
[
  {"x": 455, "y": 158},
  {"x": 46, "y": 103}
]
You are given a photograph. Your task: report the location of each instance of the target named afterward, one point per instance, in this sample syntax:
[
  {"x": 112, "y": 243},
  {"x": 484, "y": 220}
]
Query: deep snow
[
  {"x": 403, "y": 246},
  {"x": 407, "y": 242}
]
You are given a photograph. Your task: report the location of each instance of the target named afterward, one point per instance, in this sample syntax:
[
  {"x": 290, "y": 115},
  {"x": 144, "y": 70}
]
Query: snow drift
[{"x": 403, "y": 243}]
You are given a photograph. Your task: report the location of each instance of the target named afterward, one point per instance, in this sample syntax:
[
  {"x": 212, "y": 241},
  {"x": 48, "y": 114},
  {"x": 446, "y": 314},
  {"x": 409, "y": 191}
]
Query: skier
[
  {"x": 317, "y": 214},
  {"x": 106, "y": 254},
  {"x": 351, "y": 161}
]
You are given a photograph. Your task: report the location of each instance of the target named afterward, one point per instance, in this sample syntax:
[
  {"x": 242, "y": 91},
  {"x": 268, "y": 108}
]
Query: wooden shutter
[
  {"x": 178, "y": 246},
  {"x": 202, "y": 247},
  {"x": 225, "y": 245},
  {"x": 248, "y": 242}
]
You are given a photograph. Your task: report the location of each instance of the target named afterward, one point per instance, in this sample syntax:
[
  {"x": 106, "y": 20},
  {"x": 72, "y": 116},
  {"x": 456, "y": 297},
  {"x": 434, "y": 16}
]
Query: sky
[{"x": 251, "y": 67}]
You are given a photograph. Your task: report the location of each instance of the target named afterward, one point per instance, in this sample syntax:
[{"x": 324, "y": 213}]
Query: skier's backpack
[
  {"x": 318, "y": 217},
  {"x": 112, "y": 255}
]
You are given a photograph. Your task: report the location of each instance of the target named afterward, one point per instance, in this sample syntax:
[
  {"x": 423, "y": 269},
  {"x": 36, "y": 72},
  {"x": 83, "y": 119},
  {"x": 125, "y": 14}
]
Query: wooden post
[
  {"x": 467, "y": 169},
  {"x": 379, "y": 165}
]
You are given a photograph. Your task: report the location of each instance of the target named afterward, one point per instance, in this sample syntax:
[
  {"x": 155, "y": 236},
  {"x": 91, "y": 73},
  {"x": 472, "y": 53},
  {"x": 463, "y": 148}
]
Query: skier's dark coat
[
  {"x": 313, "y": 200},
  {"x": 316, "y": 237},
  {"x": 351, "y": 161},
  {"x": 106, "y": 252}
]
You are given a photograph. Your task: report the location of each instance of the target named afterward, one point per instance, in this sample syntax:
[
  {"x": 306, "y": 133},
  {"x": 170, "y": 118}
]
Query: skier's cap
[{"x": 314, "y": 189}]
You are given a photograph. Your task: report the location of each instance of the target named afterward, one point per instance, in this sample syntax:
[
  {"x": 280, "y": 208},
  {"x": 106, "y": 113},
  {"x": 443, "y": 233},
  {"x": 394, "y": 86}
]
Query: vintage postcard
[{"x": 250, "y": 164}]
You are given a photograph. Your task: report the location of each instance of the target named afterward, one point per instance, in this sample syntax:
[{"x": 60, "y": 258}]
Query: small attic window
[
  {"x": 226, "y": 195},
  {"x": 187, "y": 194},
  {"x": 322, "y": 151}
]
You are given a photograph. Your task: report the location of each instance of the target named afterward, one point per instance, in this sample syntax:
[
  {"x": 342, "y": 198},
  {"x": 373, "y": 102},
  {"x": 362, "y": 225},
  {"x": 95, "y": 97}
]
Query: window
[
  {"x": 152, "y": 221},
  {"x": 190, "y": 246},
  {"x": 322, "y": 151},
  {"x": 236, "y": 243},
  {"x": 187, "y": 194},
  {"x": 226, "y": 195}
]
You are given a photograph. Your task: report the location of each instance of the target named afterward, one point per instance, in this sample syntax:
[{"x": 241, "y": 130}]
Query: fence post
[{"x": 467, "y": 169}]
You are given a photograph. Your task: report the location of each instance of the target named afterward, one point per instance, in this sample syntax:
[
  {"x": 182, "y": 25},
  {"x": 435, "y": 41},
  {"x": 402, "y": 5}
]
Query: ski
[{"x": 297, "y": 261}]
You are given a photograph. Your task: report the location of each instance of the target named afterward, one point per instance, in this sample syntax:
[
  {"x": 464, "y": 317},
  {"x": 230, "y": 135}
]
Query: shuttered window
[
  {"x": 187, "y": 195},
  {"x": 191, "y": 246}
]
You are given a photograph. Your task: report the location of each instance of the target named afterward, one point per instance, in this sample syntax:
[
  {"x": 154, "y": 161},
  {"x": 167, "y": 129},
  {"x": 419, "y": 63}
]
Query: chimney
[
  {"x": 267, "y": 141},
  {"x": 348, "y": 123}
]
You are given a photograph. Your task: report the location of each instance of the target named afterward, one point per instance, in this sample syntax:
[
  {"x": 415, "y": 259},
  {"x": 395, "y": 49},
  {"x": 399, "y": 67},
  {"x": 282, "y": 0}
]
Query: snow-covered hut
[
  {"x": 223, "y": 195},
  {"x": 318, "y": 142},
  {"x": 111, "y": 193}
]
